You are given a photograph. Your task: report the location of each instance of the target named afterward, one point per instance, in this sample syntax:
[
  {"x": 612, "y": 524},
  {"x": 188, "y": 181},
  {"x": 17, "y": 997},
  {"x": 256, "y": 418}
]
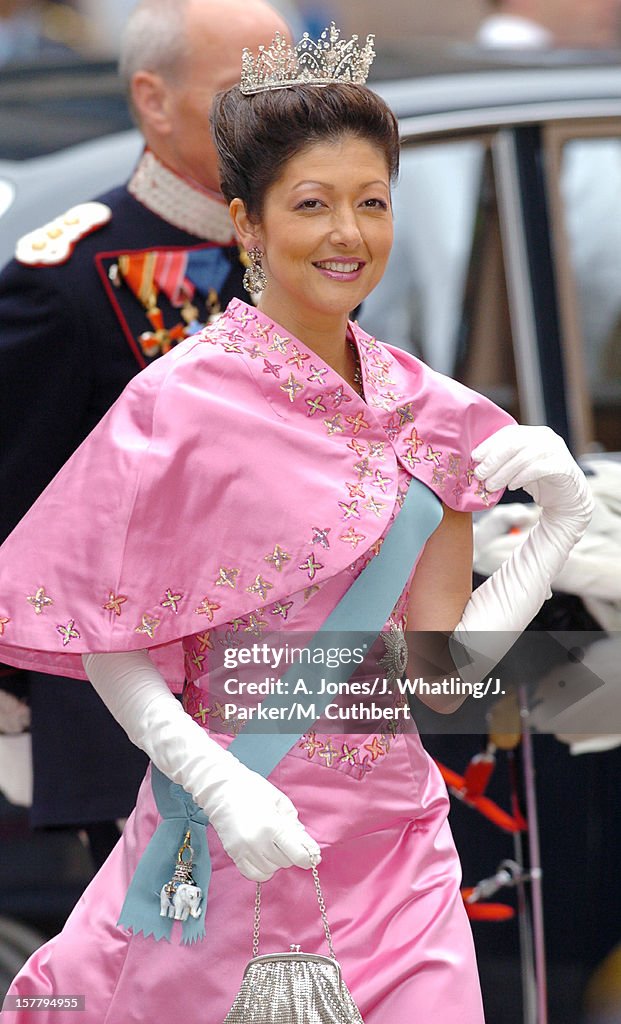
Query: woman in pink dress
[{"x": 235, "y": 492}]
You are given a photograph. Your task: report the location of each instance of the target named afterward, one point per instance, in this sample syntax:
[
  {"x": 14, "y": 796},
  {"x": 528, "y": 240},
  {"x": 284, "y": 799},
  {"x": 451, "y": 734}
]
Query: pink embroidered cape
[{"x": 231, "y": 473}]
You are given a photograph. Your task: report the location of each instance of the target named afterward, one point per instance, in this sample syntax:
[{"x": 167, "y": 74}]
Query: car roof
[
  {"x": 450, "y": 81},
  {"x": 47, "y": 107}
]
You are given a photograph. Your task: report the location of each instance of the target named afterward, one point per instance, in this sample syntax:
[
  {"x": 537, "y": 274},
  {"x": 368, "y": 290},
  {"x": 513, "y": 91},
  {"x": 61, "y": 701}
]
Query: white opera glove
[
  {"x": 536, "y": 459},
  {"x": 257, "y": 824}
]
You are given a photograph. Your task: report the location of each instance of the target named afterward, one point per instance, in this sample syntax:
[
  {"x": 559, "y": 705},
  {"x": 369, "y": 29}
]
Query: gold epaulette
[{"x": 54, "y": 242}]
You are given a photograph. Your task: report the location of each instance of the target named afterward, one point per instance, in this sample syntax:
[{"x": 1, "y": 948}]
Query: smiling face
[{"x": 325, "y": 231}]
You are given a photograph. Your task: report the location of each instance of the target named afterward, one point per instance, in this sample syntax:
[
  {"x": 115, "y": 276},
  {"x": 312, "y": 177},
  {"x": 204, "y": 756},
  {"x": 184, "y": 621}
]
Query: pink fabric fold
[
  {"x": 204, "y": 491},
  {"x": 239, "y": 483}
]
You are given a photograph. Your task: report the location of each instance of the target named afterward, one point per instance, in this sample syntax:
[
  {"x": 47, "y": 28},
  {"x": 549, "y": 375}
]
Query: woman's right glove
[
  {"x": 257, "y": 824},
  {"x": 537, "y": 460}
]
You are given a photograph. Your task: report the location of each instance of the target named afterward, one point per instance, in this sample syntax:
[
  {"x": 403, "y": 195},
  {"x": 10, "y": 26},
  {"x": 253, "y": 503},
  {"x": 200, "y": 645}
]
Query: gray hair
[{"x": 154, "y": 39}]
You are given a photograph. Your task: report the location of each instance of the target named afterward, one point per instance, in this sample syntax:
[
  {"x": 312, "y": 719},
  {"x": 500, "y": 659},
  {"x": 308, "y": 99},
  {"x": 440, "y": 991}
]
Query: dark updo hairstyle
[{"x": 256, "y": 135}]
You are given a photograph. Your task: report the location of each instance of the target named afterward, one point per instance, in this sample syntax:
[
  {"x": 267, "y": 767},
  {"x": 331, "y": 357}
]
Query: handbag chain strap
[{"x": 322, "y": 910}]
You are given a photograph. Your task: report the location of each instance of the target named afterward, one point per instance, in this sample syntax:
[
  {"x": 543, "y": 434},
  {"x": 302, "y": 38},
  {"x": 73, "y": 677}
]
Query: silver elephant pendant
[{"x": 182, "y": 897}]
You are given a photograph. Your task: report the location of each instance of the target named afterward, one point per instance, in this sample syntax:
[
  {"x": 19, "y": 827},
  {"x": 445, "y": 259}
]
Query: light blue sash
[{"x": 363, "y": 611}]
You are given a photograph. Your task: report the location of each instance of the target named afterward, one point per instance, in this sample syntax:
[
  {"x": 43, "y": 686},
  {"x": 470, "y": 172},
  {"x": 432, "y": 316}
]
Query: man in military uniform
[{"x": 89, "y": 300}]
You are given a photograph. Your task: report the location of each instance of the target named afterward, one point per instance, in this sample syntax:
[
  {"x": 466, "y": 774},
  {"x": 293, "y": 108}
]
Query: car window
[
  {"x": 590, "y": 184},
  {"x": 444, "y": 295}
]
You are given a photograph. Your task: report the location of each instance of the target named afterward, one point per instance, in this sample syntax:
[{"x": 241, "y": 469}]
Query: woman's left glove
[{"x": 537, "y": 460}]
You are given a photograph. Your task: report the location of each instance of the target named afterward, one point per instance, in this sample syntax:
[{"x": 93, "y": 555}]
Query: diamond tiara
[{"x": 330, "y": 59}]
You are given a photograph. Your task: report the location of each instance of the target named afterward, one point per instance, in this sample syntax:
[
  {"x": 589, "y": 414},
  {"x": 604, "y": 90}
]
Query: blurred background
[{"x": 93, "y": 27}]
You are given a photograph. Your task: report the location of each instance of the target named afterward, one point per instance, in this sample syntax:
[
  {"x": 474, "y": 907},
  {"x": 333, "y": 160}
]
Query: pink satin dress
[
  {"x": 155, "y": 557},
  {"x": 377, "y": 806}
]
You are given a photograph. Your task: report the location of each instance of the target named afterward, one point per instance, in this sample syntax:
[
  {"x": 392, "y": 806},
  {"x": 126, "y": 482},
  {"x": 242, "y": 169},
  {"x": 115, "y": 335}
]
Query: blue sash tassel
[{"x": 141, "y": 907}]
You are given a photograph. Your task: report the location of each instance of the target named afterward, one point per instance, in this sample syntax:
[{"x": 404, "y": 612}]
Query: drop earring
[{"x": 254, "y": 278}]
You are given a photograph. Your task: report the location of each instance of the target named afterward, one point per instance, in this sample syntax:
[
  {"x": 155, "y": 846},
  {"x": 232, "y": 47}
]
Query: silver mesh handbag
[{"x": 293, "y": 987}]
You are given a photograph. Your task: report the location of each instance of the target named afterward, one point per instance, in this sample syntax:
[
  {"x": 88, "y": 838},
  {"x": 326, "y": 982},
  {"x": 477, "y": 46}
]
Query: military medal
[
  {"x": 160, "y": 340},
  {"x": 183, "y": 277}
]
